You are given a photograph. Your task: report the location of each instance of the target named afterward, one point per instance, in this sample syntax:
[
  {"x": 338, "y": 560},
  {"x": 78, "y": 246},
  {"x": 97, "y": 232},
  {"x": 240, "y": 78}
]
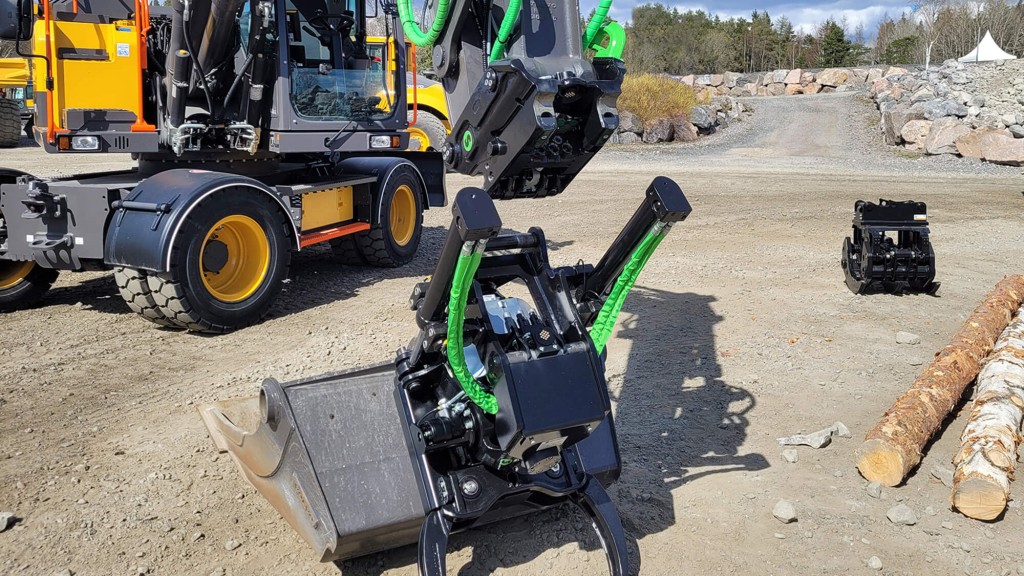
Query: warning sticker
[{"x": 123, "y": 50}]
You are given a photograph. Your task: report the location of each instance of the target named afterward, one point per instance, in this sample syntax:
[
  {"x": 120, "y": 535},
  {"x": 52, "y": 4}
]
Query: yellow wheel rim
[
  {"x": 403, "y": 215},
  {"x": 234, "y": 258},
  {"x": 12, "y": 273},
  {"x": 418, "y": 140}
]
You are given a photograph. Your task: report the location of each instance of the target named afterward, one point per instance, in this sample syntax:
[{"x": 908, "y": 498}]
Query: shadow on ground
[{"x": 678, "y": 420}]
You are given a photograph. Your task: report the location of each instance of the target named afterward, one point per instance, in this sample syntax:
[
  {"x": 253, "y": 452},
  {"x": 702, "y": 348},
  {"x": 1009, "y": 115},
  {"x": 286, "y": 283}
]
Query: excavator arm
[{"x": 531, "y": 109}]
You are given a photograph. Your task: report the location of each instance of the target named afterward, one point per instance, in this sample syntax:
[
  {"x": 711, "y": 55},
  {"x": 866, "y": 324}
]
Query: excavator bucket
[{"x": 329, "y": 454}]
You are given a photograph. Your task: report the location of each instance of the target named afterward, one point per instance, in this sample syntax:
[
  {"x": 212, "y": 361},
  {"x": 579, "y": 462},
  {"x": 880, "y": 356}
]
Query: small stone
[
  {"x": 907, "y": 338},
  {"x": 791, "y": 455},
  {"x": 965, "y": 546},
  {"x": 916, "y": 362},
  {"x": 217, "y": 572},
  {"x": 7, "y": 519},
  {"x": 780, "y": 535},
  {"x": 901, "y": 515},
  {"x": 929, "y": 511},
  {"x": 874, "y": 489},
  {"x": 232, "y": 545},
  {"x": 840, "y": 429},
  {"x": 784, "y": 512},
  {"x": 838, "y": 473},
  {"x": 875, "y": 563},
  {"x": 947, "y": 525},
  {"x": 198, "y": 536},
  {"x": 64, "y": 572},
  {"x": 943, "y": 474}
]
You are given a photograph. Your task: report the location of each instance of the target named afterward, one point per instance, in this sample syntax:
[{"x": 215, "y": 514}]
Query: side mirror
[
  {"x": 16, "y": 20},
  {"x": 370, "y": 9}
]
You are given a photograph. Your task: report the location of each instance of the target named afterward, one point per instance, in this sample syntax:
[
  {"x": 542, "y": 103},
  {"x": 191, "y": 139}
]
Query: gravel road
[{"x": 739, "y": 332}]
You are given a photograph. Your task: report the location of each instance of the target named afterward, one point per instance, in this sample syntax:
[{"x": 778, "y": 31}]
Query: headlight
[
  {"x": 380, "y": 141},
  {"x": 85, "y": 143}
]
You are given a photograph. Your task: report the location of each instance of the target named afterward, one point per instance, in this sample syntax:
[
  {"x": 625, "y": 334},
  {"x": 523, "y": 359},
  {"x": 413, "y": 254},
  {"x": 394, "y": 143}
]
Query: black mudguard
[
  {"x": 145, "y": 223},
  {"x": 428, "y": 165}
]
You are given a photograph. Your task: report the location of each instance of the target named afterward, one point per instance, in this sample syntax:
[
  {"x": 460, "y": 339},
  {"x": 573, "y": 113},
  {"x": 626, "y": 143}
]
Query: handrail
[{"x": 142, "y": 25}]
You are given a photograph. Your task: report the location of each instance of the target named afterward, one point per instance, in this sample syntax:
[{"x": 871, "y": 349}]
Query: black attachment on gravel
[{"x": 889, "y": 250}]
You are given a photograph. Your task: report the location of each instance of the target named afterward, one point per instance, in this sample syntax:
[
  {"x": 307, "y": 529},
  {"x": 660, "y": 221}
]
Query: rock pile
[
  {"x": 972, "y": 110},
  {"x": 701, "y": 121},
  {"x": 786, "y": 82}
]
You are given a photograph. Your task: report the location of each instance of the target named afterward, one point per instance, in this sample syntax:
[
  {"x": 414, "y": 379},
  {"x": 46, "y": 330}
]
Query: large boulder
[
  {"x": 895, "y": 116},
  {"x": 658, "y": 131},
  {"x": 923, "y": 95},
  {"x": 751, "y": 88},
  {"x": 935, "y": 109},
  {"x": 702, "y": 118},
  {"x": 1009, "y": 151},
  {"x": 683, "y": 130},
  {"x": 944, "y": 134},
  {"x": 794, "y": 89},
  {"x": 794, "y": 77},
  {"x": 834, "y": 77},
  {"x": 915, "y": 132},
  {"x": 776, "y": 89},
  {"x": 807, "y": 78},
  {"x": 624, "y": 138},
  {"x": 779, "y": 76},
  {"x": 894, "y": 71},
  {"x": 972, "y": 144},
  {"x": 874, "y": 75},
  {"x": 880, "y": 85},
  {"x": 812, "y": 88},
  {"x": 732, "y": 79},
  {"x": 628, "y": 122},
  {"x": 689, "y": 80}
]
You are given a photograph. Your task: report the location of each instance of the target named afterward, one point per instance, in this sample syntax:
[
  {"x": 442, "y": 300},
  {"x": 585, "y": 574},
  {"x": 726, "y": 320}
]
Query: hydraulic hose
[
  {"x": 596, "y": 22},
  {"x": 602, "y": 329},
  {"x": 462, "y": 284},
  {"x": 508, "y": 22},
  {"x": 412, "y": 29}
]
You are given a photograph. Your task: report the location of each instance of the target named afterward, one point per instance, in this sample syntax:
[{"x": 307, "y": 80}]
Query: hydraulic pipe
[
  {"x": 474, "y": 218},
  {"x": 664, "y": 202},
  {"x": 179, "y": 87}
]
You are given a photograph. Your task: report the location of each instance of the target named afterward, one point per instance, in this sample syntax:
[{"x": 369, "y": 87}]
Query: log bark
[
  {"x": 893, "y": 447},
  {"x": 988, "y": 453}
]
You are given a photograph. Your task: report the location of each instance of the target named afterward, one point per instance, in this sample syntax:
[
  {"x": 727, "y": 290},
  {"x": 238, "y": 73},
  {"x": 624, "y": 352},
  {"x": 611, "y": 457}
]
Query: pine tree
[{"x": 836, "y": 50}]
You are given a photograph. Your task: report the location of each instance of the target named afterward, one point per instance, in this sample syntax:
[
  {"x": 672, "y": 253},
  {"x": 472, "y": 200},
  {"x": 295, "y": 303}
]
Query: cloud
[{"x": 805, "y": 16}]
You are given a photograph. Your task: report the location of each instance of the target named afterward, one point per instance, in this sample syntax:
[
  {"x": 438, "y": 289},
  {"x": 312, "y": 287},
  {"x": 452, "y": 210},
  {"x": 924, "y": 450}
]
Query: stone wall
[
  {"x": 971, "y": 110},
  {"x": 702, "y": 120},
  {"x": 786, "y": 82}
]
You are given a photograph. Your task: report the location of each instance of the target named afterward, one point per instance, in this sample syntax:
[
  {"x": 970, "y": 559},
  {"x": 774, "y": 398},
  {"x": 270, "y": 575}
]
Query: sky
[{"x": 803, "y": 14}]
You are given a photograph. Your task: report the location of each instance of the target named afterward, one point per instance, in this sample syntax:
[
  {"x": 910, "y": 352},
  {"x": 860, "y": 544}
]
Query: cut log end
[
  {"x": 881, "y": 462},
  {"x": 979, "y": 498}
]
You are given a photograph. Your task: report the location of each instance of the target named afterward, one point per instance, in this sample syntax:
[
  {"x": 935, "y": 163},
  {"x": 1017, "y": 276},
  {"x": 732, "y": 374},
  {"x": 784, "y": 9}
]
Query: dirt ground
[{"x": 739, "y": 332}]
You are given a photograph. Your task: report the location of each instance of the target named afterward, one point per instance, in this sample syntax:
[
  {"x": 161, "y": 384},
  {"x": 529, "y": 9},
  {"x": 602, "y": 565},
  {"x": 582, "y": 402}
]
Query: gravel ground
[{"x": 739, "y": 332}]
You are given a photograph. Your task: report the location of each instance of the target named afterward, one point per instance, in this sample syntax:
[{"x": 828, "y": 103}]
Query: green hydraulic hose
[
  {"x": 412, "y": 29},
  {"x": 508, "y": 22},
  {"x": 462, "y": 284},
  {"x": 596, "y": 22},
  {"x": 602, "y": 329}
]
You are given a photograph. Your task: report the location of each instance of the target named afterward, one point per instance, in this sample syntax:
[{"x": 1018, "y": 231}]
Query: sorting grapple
[
  {"x": 498, "y": 407},
  {"x": 890, "y": 250}
]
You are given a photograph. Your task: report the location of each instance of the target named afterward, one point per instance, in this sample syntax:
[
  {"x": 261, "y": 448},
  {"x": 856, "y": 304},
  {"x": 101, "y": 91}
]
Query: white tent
[{"x": 987, "y": 51}]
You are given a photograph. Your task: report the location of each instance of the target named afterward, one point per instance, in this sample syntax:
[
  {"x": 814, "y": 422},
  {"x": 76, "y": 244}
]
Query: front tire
[
  {"x": 228, "y": 263},
  {"x": 397, "y": 224},
  {"x": 22, "y": 284},
  {"x": 432, "y": 127}
]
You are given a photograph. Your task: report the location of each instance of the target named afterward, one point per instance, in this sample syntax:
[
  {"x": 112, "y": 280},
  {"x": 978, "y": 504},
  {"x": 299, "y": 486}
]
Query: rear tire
[
  {"x": 22, "y": 284},
  {"x": 134, "y": 288},
  {"x": 432, "y": 126},
  {"x": 394, "y": 235},
  {"x": 10, "y": 123},
  {"x": 228, "y": 263}
]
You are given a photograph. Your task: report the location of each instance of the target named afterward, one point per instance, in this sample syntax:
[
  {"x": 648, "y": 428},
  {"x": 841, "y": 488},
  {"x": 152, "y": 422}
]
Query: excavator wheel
[
  {"x": 428, "y": 131},
  {"x": 22, "y": 284},
  {"x": 134, "y": 288},
  {"x": 397, "y": 224},
  {"x": 228, "y": 263},
  {"x": 10, "y": 123},
  {"x": 346, "y": 251}
]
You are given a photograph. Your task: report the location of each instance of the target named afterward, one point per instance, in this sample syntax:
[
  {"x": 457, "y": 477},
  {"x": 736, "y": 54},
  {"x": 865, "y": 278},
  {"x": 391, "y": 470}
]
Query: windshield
[{"x": 333, "y": 75}]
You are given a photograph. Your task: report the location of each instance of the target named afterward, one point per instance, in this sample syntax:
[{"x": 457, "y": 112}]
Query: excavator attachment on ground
[
  {"x": 889, "y": 250},
  {"x": 497, "y": 407}
]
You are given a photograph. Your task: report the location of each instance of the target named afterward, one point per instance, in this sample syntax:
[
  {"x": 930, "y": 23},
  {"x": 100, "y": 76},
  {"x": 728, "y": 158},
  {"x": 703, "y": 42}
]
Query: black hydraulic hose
[
  {"x": 238, "y": 79},
  {"x": 187, "y": 33}
]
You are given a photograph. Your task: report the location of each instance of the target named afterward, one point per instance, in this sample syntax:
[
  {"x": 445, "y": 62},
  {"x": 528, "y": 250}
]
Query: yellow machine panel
[
  {"x": 95, "y": 66},
  {"x": 327, "y": 207}
]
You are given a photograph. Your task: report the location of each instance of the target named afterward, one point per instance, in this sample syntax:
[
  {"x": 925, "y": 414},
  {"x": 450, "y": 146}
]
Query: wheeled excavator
[{"x": 498, "y": 406}]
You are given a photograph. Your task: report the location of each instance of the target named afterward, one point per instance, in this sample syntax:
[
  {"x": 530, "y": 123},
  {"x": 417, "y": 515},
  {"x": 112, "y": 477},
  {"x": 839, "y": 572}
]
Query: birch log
[
  {"x": 988, "y": 453},
  {"x": 893, "y": 447}
]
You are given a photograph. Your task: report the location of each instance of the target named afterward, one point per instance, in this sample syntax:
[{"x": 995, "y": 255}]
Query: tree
[
  {"x": 928, "y": 12},
  {"x": 836, "y": 50},
  {"x": 902, "y": 50}
]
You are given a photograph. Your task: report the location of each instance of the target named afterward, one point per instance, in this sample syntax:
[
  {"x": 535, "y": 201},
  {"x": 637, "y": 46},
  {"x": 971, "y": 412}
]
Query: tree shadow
[{"x": 677, "y": 420}]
